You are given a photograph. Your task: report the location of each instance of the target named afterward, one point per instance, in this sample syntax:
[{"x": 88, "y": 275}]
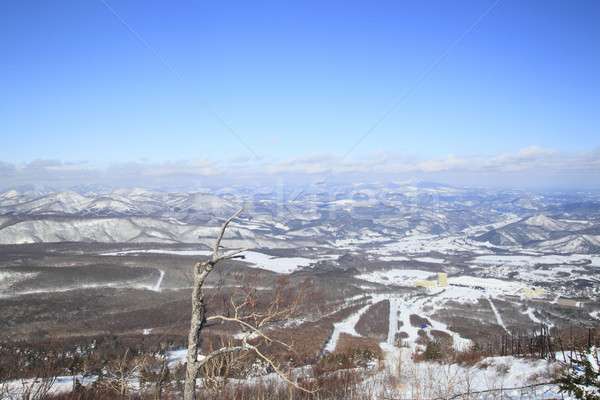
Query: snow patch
[
  {"x": 402, "y": 277},
  {"x": 345, "y": 326}
]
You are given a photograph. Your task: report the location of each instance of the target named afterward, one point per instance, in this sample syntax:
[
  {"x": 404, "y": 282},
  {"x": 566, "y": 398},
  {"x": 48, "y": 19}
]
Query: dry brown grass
[{"x": 348, "y": 343}]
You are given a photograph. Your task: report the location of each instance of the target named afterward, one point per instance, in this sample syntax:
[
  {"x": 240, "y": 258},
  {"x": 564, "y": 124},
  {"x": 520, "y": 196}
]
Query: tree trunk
[
  {"x": 197, "y": 322},
  {"x": 201, "y": 271}
]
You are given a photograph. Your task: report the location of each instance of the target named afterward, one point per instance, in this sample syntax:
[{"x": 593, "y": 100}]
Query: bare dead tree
[
  {"x": 123, "y": 369},
  {"x": 243, "y": 309},
  {"x": 201, "y": 272},
  {"x": 162, "y": 377},
  {"x": 212, "y": 372},
  {"x": 26, "y": 373},
  {"x": 36, "y": 388}
]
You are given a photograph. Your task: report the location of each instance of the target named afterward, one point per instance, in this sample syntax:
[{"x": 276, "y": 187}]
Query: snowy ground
[
  {"x": 401, "y": 308},
  {"x": 498, "y": 377},
  {"x": 281, "y": 265},
  {"x": 418, "y": 248},
  {"x": 425, "y": 379},
  {"x": 131, "y": 284},
  {"x": 531, "y": 260},
  {"x": 398, "y": 277},
  {"x": 402, "y": 378}
]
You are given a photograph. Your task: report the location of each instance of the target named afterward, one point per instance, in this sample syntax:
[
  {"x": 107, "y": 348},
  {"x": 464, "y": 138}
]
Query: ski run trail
[
  {"x": 156, "y": 287},
  {"x": 399, "y": 321},
  {"x": 402, "y": 377},
  {"x": 497, "y": 314}
]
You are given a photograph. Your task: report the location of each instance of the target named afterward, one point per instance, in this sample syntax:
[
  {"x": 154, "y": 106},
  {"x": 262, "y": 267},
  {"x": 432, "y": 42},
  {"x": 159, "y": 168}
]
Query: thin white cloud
[
  {"x": 529, "y": 158},
  {"x": 447, "y": 163},
  {"x": 529, "y": 163}
]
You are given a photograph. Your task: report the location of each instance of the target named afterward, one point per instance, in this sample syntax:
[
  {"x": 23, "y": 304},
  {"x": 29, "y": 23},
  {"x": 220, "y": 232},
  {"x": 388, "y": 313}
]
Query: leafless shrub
[
  {"x": 246, "y": 308},
  {"x": 418, "y": 321},
  {"x": 374, "y": 323},
  {"x": 348, "y": 343},
  {"x": 470, "y": 356}
]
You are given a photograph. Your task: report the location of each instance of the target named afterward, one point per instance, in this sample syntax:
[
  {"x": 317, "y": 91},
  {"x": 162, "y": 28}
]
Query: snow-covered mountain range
[
  {"x": 304, "y": 215},
  {"x": 543, "y": 232}
]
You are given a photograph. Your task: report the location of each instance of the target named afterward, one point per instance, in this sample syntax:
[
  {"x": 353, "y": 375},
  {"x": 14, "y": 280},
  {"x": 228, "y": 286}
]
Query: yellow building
[{"x": 442, "y": 279}]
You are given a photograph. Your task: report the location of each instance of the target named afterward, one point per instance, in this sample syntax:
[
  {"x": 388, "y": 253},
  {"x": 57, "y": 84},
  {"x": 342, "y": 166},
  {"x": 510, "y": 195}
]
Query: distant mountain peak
[
  {"x": 10, "y": 194},
  {"x": 545, "y": 222},
  {"x": 538, "y": 220}
]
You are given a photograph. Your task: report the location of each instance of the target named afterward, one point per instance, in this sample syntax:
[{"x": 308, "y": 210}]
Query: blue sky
[{"x": 464, "y": 92}]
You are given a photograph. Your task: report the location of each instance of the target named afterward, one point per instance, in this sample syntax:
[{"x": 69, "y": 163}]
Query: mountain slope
[
  {"x": 547, "y": 234},
  {"x": 54, "y": 229}
]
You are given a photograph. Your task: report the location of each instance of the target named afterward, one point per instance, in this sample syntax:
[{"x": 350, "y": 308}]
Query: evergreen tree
[{"x": 583, "y": 380}]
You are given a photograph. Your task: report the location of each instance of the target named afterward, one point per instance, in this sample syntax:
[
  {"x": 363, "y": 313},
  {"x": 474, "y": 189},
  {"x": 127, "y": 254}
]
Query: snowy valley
[{"x": 401, "y": 268}]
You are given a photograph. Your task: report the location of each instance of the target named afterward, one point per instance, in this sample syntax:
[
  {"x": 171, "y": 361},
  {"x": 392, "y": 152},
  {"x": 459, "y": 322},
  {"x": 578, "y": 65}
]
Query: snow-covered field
[
  {"x": 496, "y": 378},
  {"x": 397, "y": 277},
  {"x": 281, "y": 265},
  {"x": 134, "y": 284},
  {"x": 345, "y": 326},
  {"x": 423, "y": 244},
  {"x": 531, "y": 260},
  {"x": 489, "y": 285},
  {"x": 157, "y": 251}
]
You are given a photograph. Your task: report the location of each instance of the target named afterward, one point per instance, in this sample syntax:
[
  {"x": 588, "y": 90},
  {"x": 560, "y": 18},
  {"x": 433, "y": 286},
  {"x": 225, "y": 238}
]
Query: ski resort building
[
  {"x": 563, "y": 301},
  {"x": 442, "y": 279}
]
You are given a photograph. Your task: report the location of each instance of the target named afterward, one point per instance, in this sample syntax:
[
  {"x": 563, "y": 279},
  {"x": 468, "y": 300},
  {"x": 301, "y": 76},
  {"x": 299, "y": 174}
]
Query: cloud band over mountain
[{"x": 533, "y": 167}]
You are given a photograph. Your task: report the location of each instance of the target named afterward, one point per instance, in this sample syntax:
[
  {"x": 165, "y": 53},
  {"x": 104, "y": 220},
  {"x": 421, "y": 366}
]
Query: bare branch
[
  {"x": 247, "y": 308},
  {"x": 231, "y": 254},
  {"x": 278, "y": 371},
  {"x": 218, "y": 352},
  {"x": 215, "y": 256},
  {"x": 253, "y": 329}
]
